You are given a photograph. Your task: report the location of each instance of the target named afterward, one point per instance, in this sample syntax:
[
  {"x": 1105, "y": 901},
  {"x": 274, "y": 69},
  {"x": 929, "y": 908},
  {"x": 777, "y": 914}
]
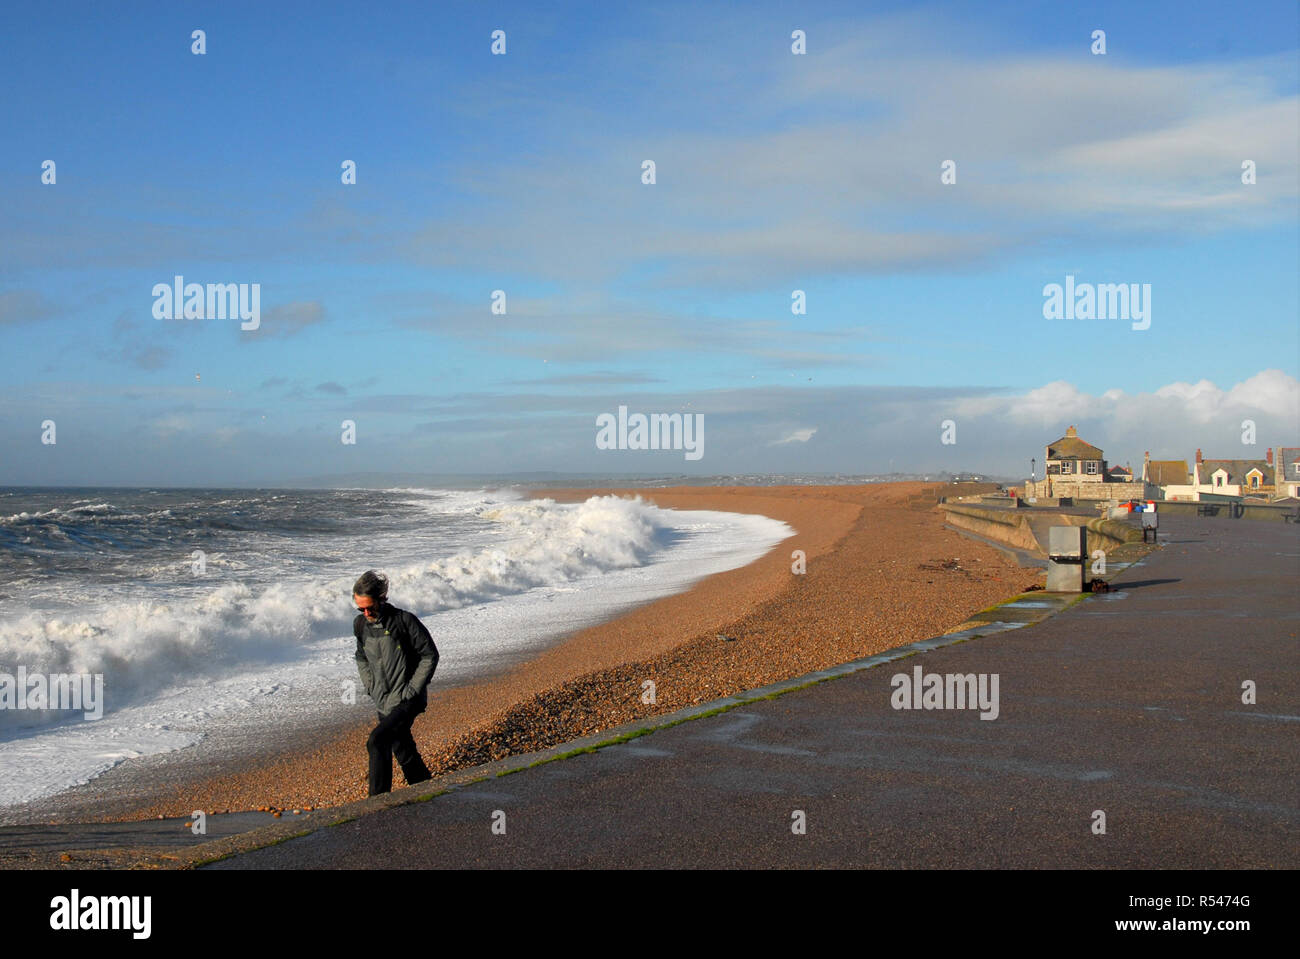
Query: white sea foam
[
  {"x": 207, "y": 627},
  {"x": 210, "y": 655}
]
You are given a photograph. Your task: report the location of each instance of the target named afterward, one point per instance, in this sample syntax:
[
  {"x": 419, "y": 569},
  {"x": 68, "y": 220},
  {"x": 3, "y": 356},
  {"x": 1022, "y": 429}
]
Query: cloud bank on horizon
[
  {"x": 777, "y": 429},
  {"x": 1170, "y": 163}
]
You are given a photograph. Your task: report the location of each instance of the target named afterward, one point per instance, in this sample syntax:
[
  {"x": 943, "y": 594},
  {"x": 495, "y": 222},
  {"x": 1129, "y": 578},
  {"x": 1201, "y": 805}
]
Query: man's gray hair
[{"x": 372, "y": 584}]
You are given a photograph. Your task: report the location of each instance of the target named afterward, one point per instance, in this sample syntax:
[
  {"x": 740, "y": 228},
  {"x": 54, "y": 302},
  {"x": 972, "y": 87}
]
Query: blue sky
[{"x": 522, "y": 172}]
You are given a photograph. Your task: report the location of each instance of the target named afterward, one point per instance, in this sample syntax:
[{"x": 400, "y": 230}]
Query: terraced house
[
  {"x": 1234, "y": 477},
  {"x": 1287, "y": 481},
  {"x": 1167, "y": 479}
]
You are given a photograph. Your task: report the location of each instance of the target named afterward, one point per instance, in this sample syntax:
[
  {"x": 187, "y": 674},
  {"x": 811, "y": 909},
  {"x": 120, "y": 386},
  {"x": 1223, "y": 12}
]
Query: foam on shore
[{"x": 245, "y": 666}]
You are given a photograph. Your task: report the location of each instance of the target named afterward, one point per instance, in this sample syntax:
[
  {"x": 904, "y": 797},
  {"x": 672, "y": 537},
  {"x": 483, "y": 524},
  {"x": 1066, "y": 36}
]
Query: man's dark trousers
[{"x": 392, "y": 737}]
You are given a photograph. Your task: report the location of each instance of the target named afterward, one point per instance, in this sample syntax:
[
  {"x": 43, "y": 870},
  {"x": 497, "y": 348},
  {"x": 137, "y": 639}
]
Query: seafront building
[
  {"x": 1167, "y": 479},
  {"x": 1287, "y": 480},
  {"x": 1220, "y": 479},
  {"x": 1234, "y": 477},
  {"x": 1076, "y": 470}
]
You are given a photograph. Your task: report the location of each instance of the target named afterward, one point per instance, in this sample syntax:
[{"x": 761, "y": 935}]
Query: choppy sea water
[{"x": 206, "y": 610}]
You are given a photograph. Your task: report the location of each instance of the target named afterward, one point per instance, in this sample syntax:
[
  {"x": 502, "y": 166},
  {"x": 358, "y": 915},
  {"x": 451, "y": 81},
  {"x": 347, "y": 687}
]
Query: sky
[{"x": 523, "y": 172}]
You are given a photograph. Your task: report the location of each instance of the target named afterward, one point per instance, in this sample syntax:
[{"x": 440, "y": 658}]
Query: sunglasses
[{"x": 368, "y": 609}]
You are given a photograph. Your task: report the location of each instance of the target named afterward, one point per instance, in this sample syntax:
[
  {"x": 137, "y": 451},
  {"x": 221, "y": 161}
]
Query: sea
[{"x": 202, "y": 612}]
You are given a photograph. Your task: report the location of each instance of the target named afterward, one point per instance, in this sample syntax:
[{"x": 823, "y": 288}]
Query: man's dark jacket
[{"x": 396, "y": 657}]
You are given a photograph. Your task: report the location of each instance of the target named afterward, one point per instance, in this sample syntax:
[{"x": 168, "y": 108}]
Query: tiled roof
[
  {"x": 1167, "y": 472},
  {"x": 1287, "y": 459},
  {"x": 1237, "y": 470},
  {"x": 1072, "y": 448}
]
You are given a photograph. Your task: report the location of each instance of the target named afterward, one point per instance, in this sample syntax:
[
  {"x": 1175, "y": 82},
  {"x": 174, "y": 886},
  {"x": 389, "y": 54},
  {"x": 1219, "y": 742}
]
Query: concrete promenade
[{"x": 1127, "y": 703}]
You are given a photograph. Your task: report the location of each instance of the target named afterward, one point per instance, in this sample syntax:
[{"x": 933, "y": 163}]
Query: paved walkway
[{"x": 1128, "y": 703}]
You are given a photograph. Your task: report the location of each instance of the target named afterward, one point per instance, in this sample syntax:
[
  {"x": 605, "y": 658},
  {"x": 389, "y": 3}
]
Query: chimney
[
  {"x": 1269, "y": 457},
  {"x": 1071, "y": 432},
  {"x": 1198, "y": 456}
]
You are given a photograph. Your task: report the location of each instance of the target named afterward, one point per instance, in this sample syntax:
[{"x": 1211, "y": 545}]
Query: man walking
[{"x": 396, "y": 657}]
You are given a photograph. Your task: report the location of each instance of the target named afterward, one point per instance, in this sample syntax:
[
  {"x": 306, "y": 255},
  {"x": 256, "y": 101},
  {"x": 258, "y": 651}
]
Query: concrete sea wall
[
  {"x": 1001, "y": 526},
  {"x": 1015, "y": 529}
]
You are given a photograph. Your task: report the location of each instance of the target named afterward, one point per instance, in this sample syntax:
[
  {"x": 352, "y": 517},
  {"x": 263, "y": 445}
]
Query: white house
[{"x": 1233, "y": 477}]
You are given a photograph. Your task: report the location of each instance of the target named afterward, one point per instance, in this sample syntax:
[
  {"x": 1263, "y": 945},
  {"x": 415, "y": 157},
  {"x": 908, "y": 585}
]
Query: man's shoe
[{"x": 417, "y": 776}]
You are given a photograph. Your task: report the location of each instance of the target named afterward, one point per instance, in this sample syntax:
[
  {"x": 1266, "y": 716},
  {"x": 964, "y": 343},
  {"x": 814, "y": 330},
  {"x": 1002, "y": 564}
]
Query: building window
[
  {"x": 1067, "y": 467},
  {"x": 1254, "y": 482},
  {"x": 1218, "y": 481},
  {"x": 1092, "y": 466}
]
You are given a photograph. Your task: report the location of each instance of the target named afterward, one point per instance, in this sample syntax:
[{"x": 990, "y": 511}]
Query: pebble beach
[{"x": 880, "y": 571}]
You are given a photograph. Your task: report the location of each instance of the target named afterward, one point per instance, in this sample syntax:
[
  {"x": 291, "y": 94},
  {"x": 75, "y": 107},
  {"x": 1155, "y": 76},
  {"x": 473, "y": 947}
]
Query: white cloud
[
  {"x": 1042, "y": 143},
  {"x": 859, "y": 430},
  {"x": 171, "y": 424},
  {"x": 1171, "y": 421},
  {"x": 798, "y": 436}
]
